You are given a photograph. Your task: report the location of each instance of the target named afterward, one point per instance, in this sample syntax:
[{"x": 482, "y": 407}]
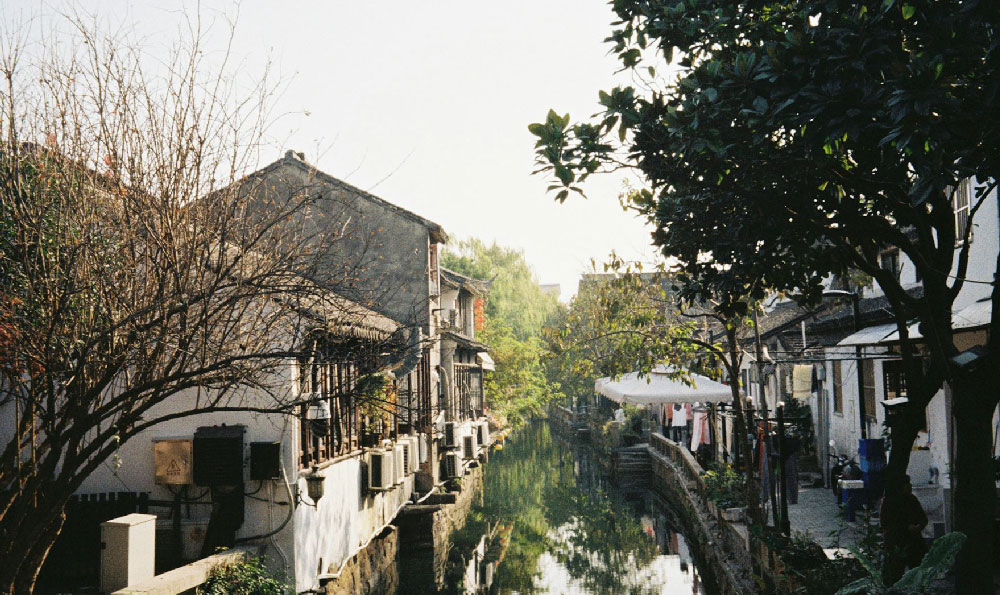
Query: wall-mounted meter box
[
  {"x": 218, "y": 455},
  {"x": 172, "y": 460}
]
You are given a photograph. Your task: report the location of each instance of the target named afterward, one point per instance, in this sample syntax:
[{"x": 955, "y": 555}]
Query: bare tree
[{"x": 126, "y": 274}]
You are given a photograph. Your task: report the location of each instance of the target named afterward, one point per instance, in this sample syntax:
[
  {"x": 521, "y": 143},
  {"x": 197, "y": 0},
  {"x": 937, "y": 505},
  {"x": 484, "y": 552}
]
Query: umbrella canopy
[{"x": 657, "y": 387}]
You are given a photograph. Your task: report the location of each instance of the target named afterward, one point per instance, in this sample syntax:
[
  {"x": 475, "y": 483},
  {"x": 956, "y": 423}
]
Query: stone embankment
[
  {"x": 415, "y": 546},
  {"x": 721, "y": 545},
  {"x": 426, "y": 529}
]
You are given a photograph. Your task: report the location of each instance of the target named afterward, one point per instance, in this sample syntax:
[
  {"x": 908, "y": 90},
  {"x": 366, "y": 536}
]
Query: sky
[{"x": 426, "y": 104}]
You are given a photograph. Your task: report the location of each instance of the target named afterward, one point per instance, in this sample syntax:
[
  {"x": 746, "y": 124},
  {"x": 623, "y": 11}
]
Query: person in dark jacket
[{"x": 903, "y": 521}]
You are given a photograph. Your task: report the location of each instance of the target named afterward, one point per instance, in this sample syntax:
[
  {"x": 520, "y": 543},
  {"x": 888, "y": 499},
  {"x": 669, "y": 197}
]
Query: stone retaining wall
[
  {"x": 721, "y": 547},
  {"x": 373, "y": 570},
  {"x": 426, "y": 530}
]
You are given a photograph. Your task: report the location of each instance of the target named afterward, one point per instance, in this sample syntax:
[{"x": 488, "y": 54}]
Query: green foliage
[
  {"x": 919, "y": 580},
  {"x": 621, "y": 321},
  {"x": 515, "y": 298},
  {"x": 724, "y": 486},
  {"x": 249, "y": 577},
  {"x": 515, "y": 312},
  {"x": 797, "y": 141}
]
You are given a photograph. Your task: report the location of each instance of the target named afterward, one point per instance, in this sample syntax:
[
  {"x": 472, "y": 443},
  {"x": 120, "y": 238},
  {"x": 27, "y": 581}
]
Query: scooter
[{"x": 844, "y": 467}]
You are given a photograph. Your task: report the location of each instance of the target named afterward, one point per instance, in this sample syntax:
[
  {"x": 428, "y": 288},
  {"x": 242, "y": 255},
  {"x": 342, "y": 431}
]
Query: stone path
[{"x": 818, "y": 516}]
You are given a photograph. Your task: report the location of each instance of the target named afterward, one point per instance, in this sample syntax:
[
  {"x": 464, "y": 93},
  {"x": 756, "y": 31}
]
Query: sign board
[{"x": 172, "y": 460}]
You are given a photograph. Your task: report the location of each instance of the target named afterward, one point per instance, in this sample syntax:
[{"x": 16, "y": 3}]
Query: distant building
[{"x": 552, "y": 289}]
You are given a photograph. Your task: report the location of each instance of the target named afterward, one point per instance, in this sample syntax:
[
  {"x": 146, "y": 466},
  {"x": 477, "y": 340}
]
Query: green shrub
[
  {"x": 249, "y": 577},
  {"x": 724, "y": 486}
]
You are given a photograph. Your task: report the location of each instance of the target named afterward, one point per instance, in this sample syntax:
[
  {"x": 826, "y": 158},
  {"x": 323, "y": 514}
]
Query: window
[
  {"x": 838, "y": 388},
  {"x": 961, "y": 200},
  {"x": 889, "y": 261},
  {"x": 868, "y": 387},
  {"x": 894, "y": 378},
  {"x": 329, "y": 414},
  {"x": 433, "y": 267}
]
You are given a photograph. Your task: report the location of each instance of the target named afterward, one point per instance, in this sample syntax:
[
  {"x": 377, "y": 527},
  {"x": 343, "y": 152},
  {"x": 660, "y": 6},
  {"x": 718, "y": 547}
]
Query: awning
[
  {"x": 486, "y": 361},
  {"x": 971, "y": 317},
  {"x": 873, "y": 335},
  {"x": 657, "y": 387}
]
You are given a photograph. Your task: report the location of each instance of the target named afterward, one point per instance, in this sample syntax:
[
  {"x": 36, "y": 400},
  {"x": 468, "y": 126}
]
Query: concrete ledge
[{"x": 188, "y": 577}]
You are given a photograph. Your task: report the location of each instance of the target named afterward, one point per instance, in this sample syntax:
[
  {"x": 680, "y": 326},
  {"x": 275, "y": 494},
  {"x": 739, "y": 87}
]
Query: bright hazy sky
[{"x": 426, "y": 104}]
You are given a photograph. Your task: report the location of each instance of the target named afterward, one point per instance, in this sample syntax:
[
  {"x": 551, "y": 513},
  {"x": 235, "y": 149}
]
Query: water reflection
[{"x": 553, "y": 524}]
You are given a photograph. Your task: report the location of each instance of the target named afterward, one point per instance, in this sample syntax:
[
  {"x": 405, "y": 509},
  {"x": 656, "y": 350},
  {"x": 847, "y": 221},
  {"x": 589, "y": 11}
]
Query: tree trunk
[
  {"x": 975, "y": 399},
  {"x": 28, "y": 535}
]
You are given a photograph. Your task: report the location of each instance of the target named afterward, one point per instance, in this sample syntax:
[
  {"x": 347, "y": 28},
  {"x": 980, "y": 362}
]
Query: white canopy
[{"x": 657, "y": 387}]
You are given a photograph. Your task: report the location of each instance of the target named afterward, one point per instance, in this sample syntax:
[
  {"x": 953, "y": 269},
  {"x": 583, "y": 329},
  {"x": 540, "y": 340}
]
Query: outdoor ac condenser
[
  {"x": 469, "y": 447},
  {"x": 380, "y": 470},
  {"x": 452, "y": 465},
  {"x": 449, "y": 435},
  {"x": 422, "y": 448},
  {"x": 483, "y": 433},
  {"x": 399, "y": 464}
]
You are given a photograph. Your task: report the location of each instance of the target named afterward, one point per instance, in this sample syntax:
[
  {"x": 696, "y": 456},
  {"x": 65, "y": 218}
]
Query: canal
[{"x": 551, "y": 521}]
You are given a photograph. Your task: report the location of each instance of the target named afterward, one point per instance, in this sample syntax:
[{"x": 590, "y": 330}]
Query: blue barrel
[{"x": 871, "y": 459}]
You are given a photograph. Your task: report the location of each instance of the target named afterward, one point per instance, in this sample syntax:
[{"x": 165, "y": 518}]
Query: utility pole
[{"x": 763, "y": 415}]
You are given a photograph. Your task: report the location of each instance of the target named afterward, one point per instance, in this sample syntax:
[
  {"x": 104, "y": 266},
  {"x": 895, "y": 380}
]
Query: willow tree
[
  {"x": 787, "y": 141},
  {"x": 126, "y": 276}
]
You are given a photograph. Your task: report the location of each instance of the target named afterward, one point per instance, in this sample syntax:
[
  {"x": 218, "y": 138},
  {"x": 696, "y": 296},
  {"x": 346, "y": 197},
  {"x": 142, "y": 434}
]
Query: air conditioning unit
[
  {"x": 422, "y": 448},
  {"x": 317, "y": 409},
  {"x": 452, "y": 465},
  {"x": 469, "y": 450},
  {"x": 449, "y": 435},
  {"x": 407, "y": 455},
  {"x": 381, "y": 470},
  {"x": 483, "y": 433},
  {"x": 399, "y": 464}
]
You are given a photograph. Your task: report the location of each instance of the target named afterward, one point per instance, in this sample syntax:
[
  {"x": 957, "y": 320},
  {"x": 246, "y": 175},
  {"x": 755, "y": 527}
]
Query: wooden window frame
[
  {"x": 961, "y": 202},
  {"x": 868, "y": 388},
  {"x": 335, "y": 379},
  {"x": 838, "y": 387}
]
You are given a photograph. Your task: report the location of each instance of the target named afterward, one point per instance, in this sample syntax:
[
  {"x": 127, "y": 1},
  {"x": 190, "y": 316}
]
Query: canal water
[{"x": 551, "y": 521}]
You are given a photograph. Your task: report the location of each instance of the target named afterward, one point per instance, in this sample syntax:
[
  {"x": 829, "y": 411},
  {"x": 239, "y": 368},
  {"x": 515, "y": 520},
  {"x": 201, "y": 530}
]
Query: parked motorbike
[{"x": 844, "y": 467}]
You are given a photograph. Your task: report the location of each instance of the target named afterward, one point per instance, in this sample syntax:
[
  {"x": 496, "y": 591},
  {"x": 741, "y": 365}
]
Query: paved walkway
[{"x": 818, "y": 516}]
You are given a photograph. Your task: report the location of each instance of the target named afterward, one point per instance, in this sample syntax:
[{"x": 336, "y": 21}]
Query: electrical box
[
  {"x": 265, "y": 460},
  {"x": 128, "y": 546},
  {"x": 218, "y": 455},
  {"x": 172, "y": 461}
]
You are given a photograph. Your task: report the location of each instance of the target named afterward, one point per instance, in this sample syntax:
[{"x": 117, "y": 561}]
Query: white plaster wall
[
  {"x": 318, "y": 539},
  {"x": 132, "y": 466},
  {"x": 343, "y": 521},
  {"x": 982, "y": 257}
]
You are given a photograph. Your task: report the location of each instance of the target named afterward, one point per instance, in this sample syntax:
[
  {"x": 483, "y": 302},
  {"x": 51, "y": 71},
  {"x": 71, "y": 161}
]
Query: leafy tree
[
  {"x": 794, "y": 140},
  {"x": 632, "y": 320},
  {"x": 515, "y": 312},
  {"x": 515, "y": 296}
]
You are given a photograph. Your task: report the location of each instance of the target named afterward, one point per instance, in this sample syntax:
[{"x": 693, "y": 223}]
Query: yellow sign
[{"x": 172, "y": 459}]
